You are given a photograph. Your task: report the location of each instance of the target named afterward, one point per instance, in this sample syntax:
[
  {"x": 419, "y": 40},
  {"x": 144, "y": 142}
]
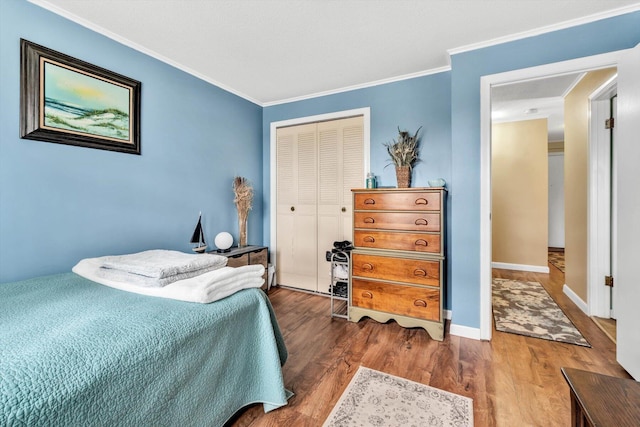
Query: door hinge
[
  {"x": 609, "y": 123},
  {"x": 608, "y": 281}
]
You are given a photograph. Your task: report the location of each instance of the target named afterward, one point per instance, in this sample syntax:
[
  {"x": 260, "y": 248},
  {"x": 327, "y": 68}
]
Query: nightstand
[{"x": 247, "y": 255}]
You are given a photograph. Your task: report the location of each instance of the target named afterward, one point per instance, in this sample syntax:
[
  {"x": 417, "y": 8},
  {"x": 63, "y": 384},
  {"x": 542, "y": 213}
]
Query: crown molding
[
  {"x": 360, "y": 86},
  {"x": 548, "y": 29}
]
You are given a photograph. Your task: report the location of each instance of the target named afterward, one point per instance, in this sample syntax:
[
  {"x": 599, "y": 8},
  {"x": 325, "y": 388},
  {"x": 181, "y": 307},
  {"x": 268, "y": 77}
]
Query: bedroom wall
[
  {"x": 621, "y": 32},
  {"x": 421, "y": 101},
  {"x": 61, "y": 203},
  {"x": 519, "y": 193}
]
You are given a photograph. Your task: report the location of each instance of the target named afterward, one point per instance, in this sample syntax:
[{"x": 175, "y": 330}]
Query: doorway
[{"x": 487, "y": 83}]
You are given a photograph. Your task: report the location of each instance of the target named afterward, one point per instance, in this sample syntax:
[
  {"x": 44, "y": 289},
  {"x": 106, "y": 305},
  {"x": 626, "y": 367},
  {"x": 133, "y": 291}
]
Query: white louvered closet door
[
  {"x": 340, "y": 168},
  {"x": 317, "y": 166},
  {"x": 296, "y": 256}
]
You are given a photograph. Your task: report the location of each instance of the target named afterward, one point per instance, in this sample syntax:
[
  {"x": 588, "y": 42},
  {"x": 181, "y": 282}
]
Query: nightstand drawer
[
  {"x": 416, "y": 242},
  {"x": 238, "y": 260},
  {"x": 405, "y": 201},
  {"x": 423, "y": 303},
  {"x": 407, "y": 270},
  {"x": 408, "y": 221}
]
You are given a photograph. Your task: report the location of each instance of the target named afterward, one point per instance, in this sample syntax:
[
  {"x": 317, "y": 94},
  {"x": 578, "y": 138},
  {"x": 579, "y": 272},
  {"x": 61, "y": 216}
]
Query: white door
[
  {"x": 627, "y": 157},
  {"x": 340, "y": 168},
  {"x": 556, "y": 200},
  {"x": 296, "y": 255}
]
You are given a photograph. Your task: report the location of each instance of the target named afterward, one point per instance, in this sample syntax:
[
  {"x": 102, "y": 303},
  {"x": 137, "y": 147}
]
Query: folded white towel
[
  {"x": 161, "y": 263},
  {"x": 204, "y": 288}
]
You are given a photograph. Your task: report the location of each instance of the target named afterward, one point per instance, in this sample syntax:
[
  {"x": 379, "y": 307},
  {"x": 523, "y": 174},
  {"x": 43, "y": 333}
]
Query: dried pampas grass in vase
[{"x": 243, "y": 198}]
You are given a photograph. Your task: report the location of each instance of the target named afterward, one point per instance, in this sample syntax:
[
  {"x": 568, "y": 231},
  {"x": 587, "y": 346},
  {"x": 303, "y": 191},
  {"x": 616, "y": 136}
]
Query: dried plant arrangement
[
  {"x": 405, "y": 151},
  {"x": 243, "y": 199}
]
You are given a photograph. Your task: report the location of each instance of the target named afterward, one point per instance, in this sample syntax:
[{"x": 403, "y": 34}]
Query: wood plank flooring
[{"x": 513, "y": 380}]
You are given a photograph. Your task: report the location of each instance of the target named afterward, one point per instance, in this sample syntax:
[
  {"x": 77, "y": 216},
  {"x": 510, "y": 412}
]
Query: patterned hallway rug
[
  {"x": 556, "y": 259},
  {"x": 525, "y": 308},
  {"x": 374, "y": 398}
]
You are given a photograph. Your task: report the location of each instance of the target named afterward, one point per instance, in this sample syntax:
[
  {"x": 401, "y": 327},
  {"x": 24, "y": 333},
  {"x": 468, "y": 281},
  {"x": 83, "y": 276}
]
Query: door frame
[
  {"x": 589, "y": 63},
  {"x": 366, "y": 116},
  {"x": 601, "y": 217}
]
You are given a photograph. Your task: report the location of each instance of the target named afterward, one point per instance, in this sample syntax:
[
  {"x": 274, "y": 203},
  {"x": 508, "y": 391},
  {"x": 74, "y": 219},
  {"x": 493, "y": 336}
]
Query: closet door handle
[
  {"x": 421, "y": 242},
  {"x": 420, "y": 303},
  {"x": 367, "y": 266},
  {"x": 293, "y": 208},
  {"x": 369, "y": 202},
  {"x": 367, "y": 294},
  {"x": 421, "y": 221},
  {"x": 419, "y": 272},
  {"x": 421, "y": 201},
  {"x": 369, "y": 239},
  {"x": 369, "y": 220},
  {"x": 343, "y": 209}
]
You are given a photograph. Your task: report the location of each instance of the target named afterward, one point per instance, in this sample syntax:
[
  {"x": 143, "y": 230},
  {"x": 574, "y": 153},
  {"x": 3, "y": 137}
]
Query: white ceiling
[
  {"x": 269, "y": 51},
  {"x": 534, "y": 99}
]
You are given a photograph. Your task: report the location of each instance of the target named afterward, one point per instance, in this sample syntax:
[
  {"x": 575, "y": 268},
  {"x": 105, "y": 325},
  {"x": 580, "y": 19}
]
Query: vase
[
  {"x": 403, "y": 176},
  {"x": 242, "y": 230}
]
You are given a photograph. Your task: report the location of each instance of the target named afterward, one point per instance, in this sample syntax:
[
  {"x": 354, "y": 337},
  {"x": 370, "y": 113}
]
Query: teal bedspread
[{"x": 76, "y": 353}]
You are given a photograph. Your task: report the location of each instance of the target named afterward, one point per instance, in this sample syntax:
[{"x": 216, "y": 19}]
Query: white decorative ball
[{"x": 224, "y": 240}]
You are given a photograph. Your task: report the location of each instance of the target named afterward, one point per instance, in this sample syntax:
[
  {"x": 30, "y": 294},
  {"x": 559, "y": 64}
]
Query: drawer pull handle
[
  {"x": 422, "y": 201},
  {"x": 367, "y": 266},
  {"x": 369, "y": 220},
  {"x": 367, "y": 294},
  {"x": 421, "y": 242},
  {"x": 369, "y": 202},
  {"x": 420, "y": 303},
  {"x": 419, "y": 272},
  {"x": 369, "y": 239},
  {"x": 421, "y": 221},
  {"x": 292, "y": 209}
]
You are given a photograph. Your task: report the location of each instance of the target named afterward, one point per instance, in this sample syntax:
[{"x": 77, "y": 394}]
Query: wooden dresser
[{"x": 397, "y": 262}]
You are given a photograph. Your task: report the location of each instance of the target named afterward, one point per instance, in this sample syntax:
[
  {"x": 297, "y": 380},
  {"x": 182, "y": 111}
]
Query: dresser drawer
[
  {"x": 416, "y": 242},
  {"x": 429, "y": 201},
  {"x": 415, "y": 271},
  {"x": 409, "y": 221},
  {"x": 423, "y": 303}
]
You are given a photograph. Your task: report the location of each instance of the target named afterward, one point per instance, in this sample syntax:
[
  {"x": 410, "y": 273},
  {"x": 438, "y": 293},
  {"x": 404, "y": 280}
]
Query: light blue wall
[
  {"x": 595, "y": 38},
  {"x": 423, "y": 101},
  {"x": 61, "y": 203}
]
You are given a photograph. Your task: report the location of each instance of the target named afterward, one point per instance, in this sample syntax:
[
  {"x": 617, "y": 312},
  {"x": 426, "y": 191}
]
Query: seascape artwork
[{"x": 80, "y": 103}]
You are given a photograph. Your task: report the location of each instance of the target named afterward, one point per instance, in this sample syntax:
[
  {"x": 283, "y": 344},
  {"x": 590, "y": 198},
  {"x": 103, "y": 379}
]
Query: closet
[{"x": 317, "y": 165}]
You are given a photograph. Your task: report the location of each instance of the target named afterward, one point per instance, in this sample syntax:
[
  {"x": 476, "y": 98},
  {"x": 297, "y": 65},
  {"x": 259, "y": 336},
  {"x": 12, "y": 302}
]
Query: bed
[{"x": 74, "y": 352}]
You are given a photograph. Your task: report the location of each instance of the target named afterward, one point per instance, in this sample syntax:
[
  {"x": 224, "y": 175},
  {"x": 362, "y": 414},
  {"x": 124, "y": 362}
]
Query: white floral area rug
[
  {"x": 374, "y": 398},
  {"x": 525, "y": 308}
]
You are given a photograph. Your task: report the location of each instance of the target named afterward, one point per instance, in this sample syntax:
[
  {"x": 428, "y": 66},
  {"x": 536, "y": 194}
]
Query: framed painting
[{"x": 68, "y": 101}]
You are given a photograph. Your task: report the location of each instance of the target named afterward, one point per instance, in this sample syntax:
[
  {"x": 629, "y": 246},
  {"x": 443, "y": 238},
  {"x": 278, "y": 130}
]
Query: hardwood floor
[{"x": 513, "y": 380}]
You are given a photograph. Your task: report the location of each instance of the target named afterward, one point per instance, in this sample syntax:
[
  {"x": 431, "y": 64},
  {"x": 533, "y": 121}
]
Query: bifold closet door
[
  {"x": 296, "y": 222},
  {"x": 340, "y": 168},
  {"x": 317, "y": 166}
]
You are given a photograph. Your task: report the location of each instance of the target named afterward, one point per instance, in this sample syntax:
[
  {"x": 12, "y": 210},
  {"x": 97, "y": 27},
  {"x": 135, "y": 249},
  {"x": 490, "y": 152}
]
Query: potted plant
[{"x": 404, "y": 154}]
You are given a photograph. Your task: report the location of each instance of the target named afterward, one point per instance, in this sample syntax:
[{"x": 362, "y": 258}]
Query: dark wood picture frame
[{"x": 94, "y": 107}]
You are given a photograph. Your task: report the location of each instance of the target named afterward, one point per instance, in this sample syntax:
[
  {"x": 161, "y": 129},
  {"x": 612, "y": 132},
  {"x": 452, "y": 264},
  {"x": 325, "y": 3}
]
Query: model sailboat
[{"x": 198, "y": 237}]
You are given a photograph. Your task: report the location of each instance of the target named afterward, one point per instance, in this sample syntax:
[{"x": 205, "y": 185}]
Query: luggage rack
[{"x": 339, "y": 287}]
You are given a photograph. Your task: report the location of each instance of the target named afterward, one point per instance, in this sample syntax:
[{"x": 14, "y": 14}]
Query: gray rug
[
  {"x": 525, "y": 308},
  {"x": 374, "y": 398}
]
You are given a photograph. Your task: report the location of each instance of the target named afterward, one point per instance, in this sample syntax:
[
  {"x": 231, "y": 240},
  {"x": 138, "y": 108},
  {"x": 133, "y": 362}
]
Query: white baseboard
[
  {"x": 465, "y": 332},
  {"x": 521, "y": 267},
  {"x": 576, "y": 299},
  {"x": 447, "y": 314}
]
